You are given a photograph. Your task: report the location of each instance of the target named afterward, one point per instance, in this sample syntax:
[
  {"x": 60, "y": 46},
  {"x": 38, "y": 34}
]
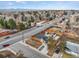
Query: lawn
[{"x": 68, "y": 56}]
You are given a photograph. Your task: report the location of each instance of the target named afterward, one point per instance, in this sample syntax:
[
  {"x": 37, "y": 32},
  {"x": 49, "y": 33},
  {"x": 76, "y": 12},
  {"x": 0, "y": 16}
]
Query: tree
[
  {"x": 21, "y": 26},
  {"x": 63, "y": 46},
  {"x": 47, "y": 15},
  {"x": 15, "y": 16},
  {"x": 2, "y": 23},
  {"x": 29, "y": 23},
  {"x": 6, "y": 25},
  {"x": 32, "y": 19},
  {"x": 63, "y": 43},
  {"x": 65, "y": 13},
  {"x": 50, "y": 18},
  {"x": 51, "y": 43},
  {"x": 11, "y": 24},
  {"x": 54, "y": 16}
]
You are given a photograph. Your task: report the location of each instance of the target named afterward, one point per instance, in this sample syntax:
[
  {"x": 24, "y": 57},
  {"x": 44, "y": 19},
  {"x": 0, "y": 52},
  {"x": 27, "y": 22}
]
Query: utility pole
[{"x": 22, "y": 36}]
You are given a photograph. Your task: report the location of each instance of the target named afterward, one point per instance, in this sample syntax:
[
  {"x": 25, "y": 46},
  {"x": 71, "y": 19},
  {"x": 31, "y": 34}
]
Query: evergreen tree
[
  {"x": 11, "y": 24},
  {"x": 21, "y": 26},
  {"x": 2, "y": 23}
]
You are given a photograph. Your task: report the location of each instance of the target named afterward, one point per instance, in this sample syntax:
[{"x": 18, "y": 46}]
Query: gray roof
[{"x": 27, "y": 51}]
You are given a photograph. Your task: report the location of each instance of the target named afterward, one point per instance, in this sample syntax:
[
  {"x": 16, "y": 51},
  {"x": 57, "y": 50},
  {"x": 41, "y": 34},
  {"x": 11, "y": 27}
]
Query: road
[
  {"x": 24, "y": 34},
  {"x": 16, "y": 34},
  {"x": 27, "y": 33}
]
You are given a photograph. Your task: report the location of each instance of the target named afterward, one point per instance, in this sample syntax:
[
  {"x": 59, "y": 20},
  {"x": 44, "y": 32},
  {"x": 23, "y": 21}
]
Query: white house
[{"x": 74, "y": 48}]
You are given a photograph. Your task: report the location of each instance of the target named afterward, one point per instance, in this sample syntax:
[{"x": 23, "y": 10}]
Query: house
[{"x": 39, "y": 44}]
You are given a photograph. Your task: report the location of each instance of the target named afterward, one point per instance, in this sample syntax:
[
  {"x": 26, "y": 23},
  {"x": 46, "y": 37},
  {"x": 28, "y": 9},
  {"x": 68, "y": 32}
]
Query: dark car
[
  {"x": 7, "y": 37},
  {"x": 57, "y": 50},
  {"x": 6, "y": 45}
]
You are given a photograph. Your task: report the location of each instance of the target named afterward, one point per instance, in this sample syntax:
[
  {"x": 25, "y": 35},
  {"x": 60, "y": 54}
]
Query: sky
[{"x": 39, "y": 5}]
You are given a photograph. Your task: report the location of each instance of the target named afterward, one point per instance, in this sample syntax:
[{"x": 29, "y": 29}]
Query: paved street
[
  {"x": 25, "y": 34},
  {"x": 17, "y": 34}
]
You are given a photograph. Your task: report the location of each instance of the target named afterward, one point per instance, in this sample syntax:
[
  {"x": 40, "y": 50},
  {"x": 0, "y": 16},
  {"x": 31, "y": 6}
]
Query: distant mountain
[
  {"x": 16, "y": 10},
  {"x": 12, "y": 10}
]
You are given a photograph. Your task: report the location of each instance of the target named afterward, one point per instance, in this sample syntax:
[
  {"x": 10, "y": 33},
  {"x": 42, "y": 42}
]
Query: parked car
[
  {"x": 6, "y": 45},
  {"x": 7, "y": 37},
  {"x": 57, "y": 50}
]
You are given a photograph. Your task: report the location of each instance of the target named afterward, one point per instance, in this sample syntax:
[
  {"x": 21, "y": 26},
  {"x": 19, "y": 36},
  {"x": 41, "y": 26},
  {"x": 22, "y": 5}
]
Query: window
[{"x": 41, "y": 48}]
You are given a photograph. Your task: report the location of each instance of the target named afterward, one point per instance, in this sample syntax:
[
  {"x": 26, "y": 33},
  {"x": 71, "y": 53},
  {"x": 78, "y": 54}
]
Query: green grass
[{"x": 65, "y": 55}]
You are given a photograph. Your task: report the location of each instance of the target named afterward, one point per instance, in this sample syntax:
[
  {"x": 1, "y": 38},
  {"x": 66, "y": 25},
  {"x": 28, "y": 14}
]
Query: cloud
[
  {"x": 43, "y": 3},
  {"x": 39, "y": 5},
  {"x": 18, "y": 1},
  {"x": 10, "y": 3},
  {"x": 21, "y": 2}
]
